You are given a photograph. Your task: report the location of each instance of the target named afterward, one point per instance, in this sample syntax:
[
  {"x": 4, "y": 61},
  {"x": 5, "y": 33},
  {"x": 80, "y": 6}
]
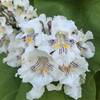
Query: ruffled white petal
[
  {"x": 90, "y": 50},
  {"x": 88, "y": 36},
  {"x": 40, "y": 80},
  {"x": 71, "y": 80},
  {"x": 74, "y": 92},
  {"x": 35, "y": 93},
  {"x": 52, "y": 87},
  {"x": 32, "y": 26},
  {"x": 61, "y": 59},
  {"x": 73, "y": 77},
  {"x": 12, "y": 60},
  {"x": 61, "y": 24}
]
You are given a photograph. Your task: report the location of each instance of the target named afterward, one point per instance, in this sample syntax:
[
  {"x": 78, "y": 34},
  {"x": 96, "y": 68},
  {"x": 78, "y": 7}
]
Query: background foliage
[{"x": 86, "y": 14}]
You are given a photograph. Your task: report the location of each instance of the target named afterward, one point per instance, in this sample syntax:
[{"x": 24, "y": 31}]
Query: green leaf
[
  {"x": 89, "y": 88},
  {"x": 92, "y": 18},
  {"x": 54, "y": 95},
  {"x": 8, "y": 83},
  {"x": 11, "y": 88},
  {"x": 22, "y": 89},
  {"x": 97, "y": 79}
]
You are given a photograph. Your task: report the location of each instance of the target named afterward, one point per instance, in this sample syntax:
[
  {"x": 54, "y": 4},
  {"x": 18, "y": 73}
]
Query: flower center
[
  {"x": 68, "y": 68},
  {"x": 61, "y": 43},
  {"x": 42, "y": 65},
  {"x": 29, "y": 39}
]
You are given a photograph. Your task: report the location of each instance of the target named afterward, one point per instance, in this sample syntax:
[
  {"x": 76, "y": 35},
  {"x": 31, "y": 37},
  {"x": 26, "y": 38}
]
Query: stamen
[
  {"x": 68, "y": 68},
  {"x": 65, "y": 69},
  {"x": 73, "y": 64},
  {"x": 34, "y": 67},
  {"x": 50, "y": 66}
]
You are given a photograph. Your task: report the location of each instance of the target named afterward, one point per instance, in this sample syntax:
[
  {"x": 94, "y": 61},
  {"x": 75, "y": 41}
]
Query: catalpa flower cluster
[{"x": 45, "y": 49}]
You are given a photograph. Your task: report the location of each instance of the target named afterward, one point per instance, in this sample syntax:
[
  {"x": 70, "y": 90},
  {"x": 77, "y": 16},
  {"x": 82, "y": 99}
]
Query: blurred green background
[{"x": 86, "y": 14}]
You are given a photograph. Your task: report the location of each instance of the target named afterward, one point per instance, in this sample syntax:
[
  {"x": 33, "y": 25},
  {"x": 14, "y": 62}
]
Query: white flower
[
  {"x": 52, "y": 87},
  {"x": 73, "y": 77},
  {"x": 37, "y": 68},
  {"x": 61, "y": 24},
  {"x": 35, "y": 93},
  {"x": 21, "y": 4},
  {"x": 67, "y": 57},
  {"x": 74, "y": 92},
  {"x": 31, "y": 12},
  {"x": 57, "y": 42},
  {"x": 15, "y": 50},
  {"x": 41, "y": 41},
  {"x": 31, "y": 26},
  {"x": 12, "y": 60},
  {"x": 6, "y": 34},
  {"x": 73, "y": 71},
  {"x": 23, "y": 11},
  {"x": 87, "y": 48},
  {"x": 65, "y": 49}
]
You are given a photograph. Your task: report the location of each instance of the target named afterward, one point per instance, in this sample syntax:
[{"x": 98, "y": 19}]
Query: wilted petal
[{"x": 88, "y": 36}]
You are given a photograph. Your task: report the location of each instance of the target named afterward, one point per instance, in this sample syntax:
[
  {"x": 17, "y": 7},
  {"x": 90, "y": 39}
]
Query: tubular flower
[{"x": 38, "y": 69}]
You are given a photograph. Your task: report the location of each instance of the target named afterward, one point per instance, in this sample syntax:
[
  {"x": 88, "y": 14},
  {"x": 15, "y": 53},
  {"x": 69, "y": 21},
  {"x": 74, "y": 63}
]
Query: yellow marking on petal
[
  {"x": 29, "y": 40},
  {"x": 45, "y": 71},
  {"x": 66, "y": 46},
  {"x": 57, "y": 46}
]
